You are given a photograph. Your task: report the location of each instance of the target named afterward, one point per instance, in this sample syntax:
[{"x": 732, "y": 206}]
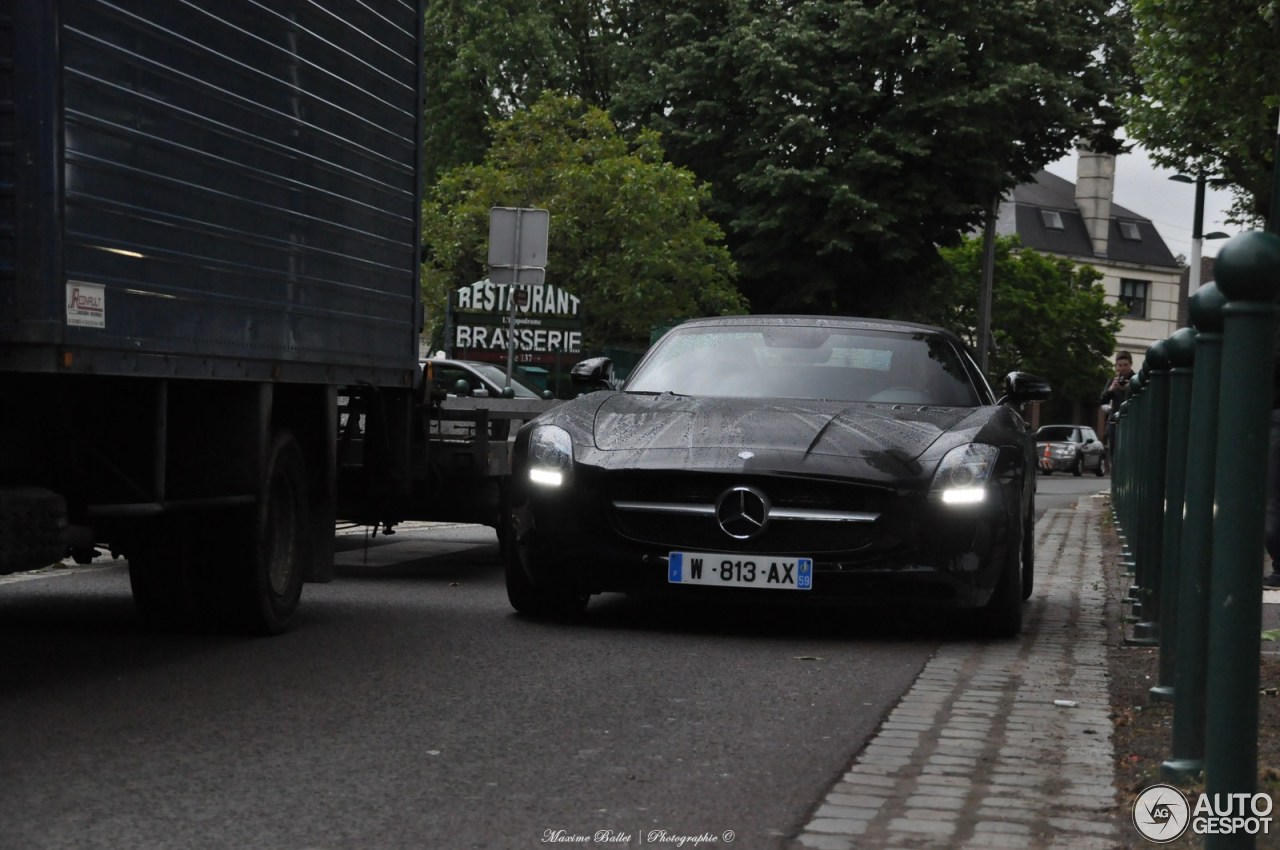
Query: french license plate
[{"x": 767, "y": 572}]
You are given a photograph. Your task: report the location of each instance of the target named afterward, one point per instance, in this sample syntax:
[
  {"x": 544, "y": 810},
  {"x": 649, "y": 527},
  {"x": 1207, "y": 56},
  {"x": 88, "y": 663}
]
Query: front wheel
[
  {"x": 1029, "y": 552},
  {"x": 1001, "y": 617},
  {"x": 1102, "y": 466},
  {"x": 532, "y": 588},
  {"x": 1078, "y": 469}
]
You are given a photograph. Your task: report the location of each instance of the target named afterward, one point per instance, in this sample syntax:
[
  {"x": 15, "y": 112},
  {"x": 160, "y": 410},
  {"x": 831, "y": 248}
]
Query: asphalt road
[
  {"x": 1063, "y": 491},
  {"x": 410, "y": 708}
]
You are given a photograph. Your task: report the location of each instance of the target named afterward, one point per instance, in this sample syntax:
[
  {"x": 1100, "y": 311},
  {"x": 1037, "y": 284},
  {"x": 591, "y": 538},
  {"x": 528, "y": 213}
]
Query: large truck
[{"x": 209, "y": 234}]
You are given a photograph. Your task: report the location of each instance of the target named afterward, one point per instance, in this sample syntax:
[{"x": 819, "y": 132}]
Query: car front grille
[{"x": 808, "y": 515}]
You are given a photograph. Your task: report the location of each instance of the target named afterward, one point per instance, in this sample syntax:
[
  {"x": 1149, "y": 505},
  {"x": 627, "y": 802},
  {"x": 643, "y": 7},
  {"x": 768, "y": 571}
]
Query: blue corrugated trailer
[{"x": 209, "y": 232}]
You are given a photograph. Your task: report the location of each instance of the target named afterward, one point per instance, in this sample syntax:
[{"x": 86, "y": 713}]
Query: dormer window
[
  {"x": 1129, "y": 230},
  {"x": 1052, "y": 219}
]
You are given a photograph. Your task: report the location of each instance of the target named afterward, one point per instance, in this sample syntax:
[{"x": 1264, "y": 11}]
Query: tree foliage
[
  {"x": 484, "y": 61},
  {"x": 845, "y": 140},
  {"x": 1048, "y": 315},
  {"x": 627, "y": 234},
  {"x": 1210, "y": 90}
]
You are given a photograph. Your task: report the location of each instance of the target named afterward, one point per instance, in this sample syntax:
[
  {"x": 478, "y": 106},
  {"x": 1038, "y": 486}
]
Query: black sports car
[{"x": 796, "y": 456}]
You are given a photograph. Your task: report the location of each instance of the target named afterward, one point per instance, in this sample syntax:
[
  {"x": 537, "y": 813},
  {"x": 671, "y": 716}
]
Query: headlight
[
  {"x": 963, "y": 475},
  {"x": 550, "y": 456}
]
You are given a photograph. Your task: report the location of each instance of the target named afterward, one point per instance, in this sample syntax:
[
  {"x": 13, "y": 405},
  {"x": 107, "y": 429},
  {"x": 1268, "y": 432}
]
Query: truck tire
[
  {"x": 260, "y": 579},
  {"x": 238, "y": 571},
  {"x": 32, "y": 520}
]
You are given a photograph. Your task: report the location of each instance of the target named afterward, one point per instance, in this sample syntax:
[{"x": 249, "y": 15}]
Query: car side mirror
[
  {"x": 595, "y": 373},
  {"x": 481, "y": 393},
  {"x": 1022, "y": 387}
]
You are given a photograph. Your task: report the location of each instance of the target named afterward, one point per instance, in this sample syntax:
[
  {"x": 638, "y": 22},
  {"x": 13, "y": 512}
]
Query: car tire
[
  {"x": 1029, "y": 551},
  {"x": 531, "y": 589},
  {"x": 1078, "y": 469},
  {"x": 1102, "y": 466},
  {"x": 1001, "y": 617},
  {"x": 1048, "y": 472}
]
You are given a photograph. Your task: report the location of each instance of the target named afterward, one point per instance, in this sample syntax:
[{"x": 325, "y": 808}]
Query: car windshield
[
  {"x": 807, "y": 362},
  {"x": 1058, "y": 434}
]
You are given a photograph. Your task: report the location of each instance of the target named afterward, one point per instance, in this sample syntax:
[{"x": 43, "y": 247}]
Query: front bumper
[{"x": 917, "y": 551}]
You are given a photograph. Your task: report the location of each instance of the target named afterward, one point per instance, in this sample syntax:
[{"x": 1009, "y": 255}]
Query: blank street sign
[{"x": 518, "y": 243}]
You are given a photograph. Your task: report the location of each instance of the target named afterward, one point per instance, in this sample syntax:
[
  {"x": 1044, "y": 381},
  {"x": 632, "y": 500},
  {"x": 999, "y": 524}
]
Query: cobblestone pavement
[{"x": 998, "y": 743}]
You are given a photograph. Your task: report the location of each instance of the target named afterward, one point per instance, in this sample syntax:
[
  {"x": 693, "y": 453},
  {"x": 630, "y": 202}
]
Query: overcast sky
[{"x": 1144, "y": 188}]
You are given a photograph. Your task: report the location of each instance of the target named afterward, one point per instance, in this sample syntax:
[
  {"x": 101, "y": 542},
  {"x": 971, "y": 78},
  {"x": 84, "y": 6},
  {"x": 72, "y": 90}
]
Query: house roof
[{"x": 1053, "y": 193}]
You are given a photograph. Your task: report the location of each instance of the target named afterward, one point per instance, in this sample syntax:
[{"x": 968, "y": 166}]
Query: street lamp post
[{"x": 1197, "y": 228}]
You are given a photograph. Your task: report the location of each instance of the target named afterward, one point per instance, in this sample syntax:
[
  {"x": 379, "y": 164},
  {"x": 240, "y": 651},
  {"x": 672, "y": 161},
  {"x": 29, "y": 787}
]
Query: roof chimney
[{"x": 1095, "y": 182}]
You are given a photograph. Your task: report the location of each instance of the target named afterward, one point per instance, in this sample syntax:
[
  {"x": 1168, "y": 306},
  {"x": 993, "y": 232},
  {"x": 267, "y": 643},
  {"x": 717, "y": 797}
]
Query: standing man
[{"x": 1114, "y": 394}]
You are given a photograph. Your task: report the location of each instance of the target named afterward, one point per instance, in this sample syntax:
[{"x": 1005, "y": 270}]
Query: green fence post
[
  {"x": 1157, "y": 431},
  {"x": 1248, "y": 274},
  {"x": 1191, "y": 667},
  {"x": 1137, "y": 472},
  {"x": 1180, "y": 348}
]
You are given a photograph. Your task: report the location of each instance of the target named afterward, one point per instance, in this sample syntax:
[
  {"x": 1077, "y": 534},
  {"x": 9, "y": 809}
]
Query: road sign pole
[{"x": 511, "y": 298}]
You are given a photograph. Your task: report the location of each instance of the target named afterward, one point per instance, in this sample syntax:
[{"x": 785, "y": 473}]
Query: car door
[{"x": 1092, "y": 448}]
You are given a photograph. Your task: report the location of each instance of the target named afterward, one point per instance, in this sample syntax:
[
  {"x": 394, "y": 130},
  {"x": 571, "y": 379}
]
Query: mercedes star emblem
[{"x": 742, "y": 512}]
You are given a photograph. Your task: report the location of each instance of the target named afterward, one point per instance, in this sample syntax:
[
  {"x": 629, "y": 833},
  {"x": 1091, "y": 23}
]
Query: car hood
[{"x": 627, "y": 422}]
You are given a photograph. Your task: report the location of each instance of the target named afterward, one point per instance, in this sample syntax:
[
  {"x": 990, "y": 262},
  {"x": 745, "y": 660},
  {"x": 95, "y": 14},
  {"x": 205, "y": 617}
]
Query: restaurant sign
[{"x": 548, "y": 322}]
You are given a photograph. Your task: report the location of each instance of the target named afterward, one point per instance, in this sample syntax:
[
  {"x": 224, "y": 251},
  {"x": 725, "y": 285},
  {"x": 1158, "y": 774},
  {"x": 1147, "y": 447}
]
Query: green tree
[
  {"x": 627, "y": 235},
  {"x": 1049, "y": 316},
  {"x": 1210, "y": 90},
  {"x": 845, "y": 139},
  {"x": 484, "y": 61}
]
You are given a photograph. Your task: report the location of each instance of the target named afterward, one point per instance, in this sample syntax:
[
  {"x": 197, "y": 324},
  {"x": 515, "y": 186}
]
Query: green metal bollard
[
  {"x": 1153, "y": 441},
  {"x": 1156, "y": 425},
  {"x": 1119, "y": 515},
  {"x": 1248, "y": 274},
  {"x": 1191, "y": 666},
  {"x": 1180, "y": 348},
  {"x": 1125, "y": 465},
  {"x": 1137, "y": 520}
]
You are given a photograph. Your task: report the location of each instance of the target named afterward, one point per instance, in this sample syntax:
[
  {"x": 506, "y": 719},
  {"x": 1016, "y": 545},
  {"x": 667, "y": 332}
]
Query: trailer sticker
[{"x": 86, "y": 304}]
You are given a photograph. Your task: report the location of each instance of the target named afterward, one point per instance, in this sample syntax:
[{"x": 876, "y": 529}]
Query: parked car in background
[
  {"x": 787, "y": 458},
  {"x": 452, "y": 379},
  {"x": 1070, "y": 448},
  {"x": 483, "y": 379}
]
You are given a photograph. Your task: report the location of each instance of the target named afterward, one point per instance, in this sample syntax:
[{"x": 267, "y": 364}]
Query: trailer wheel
[{"x": 261, "y": 583}]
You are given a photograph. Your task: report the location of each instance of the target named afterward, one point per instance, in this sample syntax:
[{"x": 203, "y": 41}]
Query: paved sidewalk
[{"x": 999, "y": 743}]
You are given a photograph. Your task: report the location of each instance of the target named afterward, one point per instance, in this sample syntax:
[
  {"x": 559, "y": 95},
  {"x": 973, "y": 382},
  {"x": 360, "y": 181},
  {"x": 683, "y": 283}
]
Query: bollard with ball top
[
  {"x": 1180, "y": 348},
  {"x": 1248, "y": 275},
  {"x": 1191, "y": 664}
]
